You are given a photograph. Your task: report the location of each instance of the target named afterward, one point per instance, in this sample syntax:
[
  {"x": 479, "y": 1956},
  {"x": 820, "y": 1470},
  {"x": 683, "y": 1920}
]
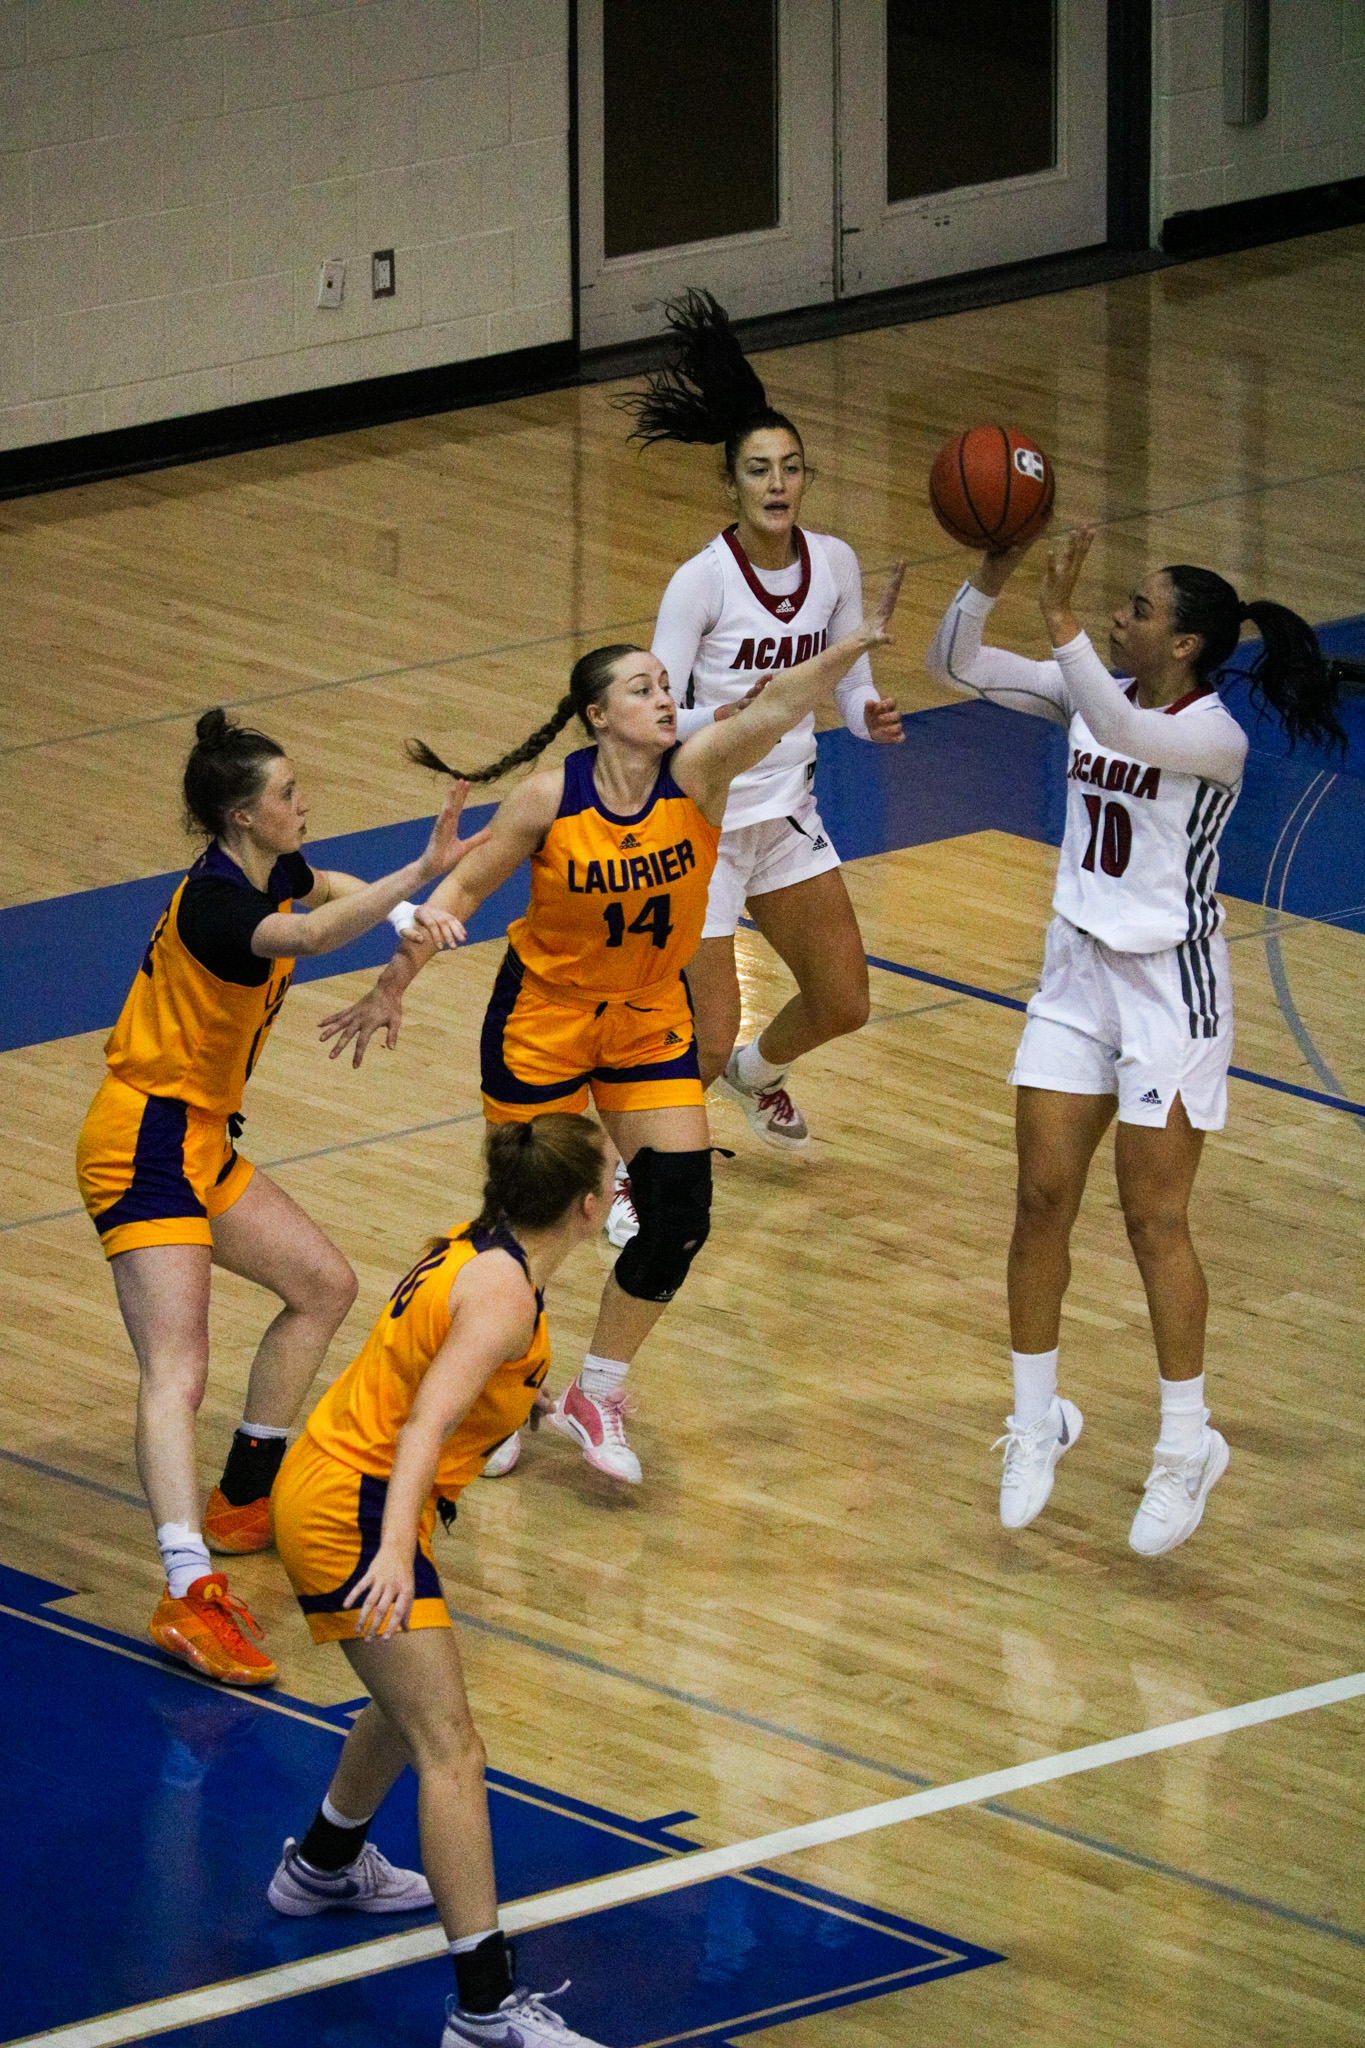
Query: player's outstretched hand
[
  {"x": 884, "y": 722},
  {"x": 385, "y": 1594},
  {"x": 997, "y": 565},
  {"x": 430, "y": 922},
  {"x": 724, "y": 711},
  {"x": 1064, "y": 565},
  {"x": 381, "y": 1009},
  {"x": 445, "y": 849},
  {"x": 877, "y": 629}
]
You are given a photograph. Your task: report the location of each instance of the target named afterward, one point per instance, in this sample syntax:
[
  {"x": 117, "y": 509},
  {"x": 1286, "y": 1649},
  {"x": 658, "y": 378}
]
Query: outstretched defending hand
[
  {"x": 1060, "y": 578},
  {"x": 445, "y": 849},
  {"x": 877, "y": 629},
  {"x": 381, "y": 1009}
]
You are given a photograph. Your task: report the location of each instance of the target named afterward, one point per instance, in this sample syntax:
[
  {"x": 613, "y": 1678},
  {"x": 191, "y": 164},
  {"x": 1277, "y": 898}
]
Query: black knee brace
[{"x": 672, "y": 1196}]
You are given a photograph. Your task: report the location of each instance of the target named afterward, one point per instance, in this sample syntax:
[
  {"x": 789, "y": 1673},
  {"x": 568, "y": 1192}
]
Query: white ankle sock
[
  {"x": 465, "y": 1944},
  {"x": 1183, "y": 1416},
  {"x": 754, "y": 1072},
  {"x": 343, "y": 1820},
  {"x": 264, "y": 1432},
  {"x": 1035, "y": 1384},
  {"x": 184, "y": 1556},
  {"x": 601, "y": 1376}
]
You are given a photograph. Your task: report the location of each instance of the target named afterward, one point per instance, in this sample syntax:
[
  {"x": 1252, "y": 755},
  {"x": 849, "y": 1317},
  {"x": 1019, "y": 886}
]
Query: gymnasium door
[{"x": 786, "y": 152}]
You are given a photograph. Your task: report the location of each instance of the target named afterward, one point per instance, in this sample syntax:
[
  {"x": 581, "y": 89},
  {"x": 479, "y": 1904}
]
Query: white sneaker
[
  {"x": 1031, "y": 1459},
  {"x": 622, "y": 1222},
  {"x": 770, "y": 1112},
  {"x": 369, "y": 1885},
  {"x": 599, "y": 1425},
  {"x": 500, "y": 1462},
  {"x": 1174, "y": 1496},
  {"x": 521, "y": 2021}
]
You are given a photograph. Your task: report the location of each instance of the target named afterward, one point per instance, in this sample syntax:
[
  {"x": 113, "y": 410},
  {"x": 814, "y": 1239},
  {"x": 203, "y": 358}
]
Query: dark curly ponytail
[
  {"x": 1289, "y": 677},
  {"x": 710, "y": 391},
  {"x": 589, "y": 680},
  {"x": 227, "y": 768}
]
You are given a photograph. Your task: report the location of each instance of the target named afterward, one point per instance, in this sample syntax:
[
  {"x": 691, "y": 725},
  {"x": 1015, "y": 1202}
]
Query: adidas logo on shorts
[
  {"x": 1152, "y": 1098},
  {"x": 818, "y": 841},
  {"x": 672, "y": 1038},
  {"x": 629, "y": 840}
]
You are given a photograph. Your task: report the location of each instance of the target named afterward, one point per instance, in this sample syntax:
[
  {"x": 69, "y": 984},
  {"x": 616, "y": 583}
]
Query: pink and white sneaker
[
  {"x": 599, "y": 1425},
  {"x": 770, "y": 1112},
  {"x": 622, "y": 1222}
]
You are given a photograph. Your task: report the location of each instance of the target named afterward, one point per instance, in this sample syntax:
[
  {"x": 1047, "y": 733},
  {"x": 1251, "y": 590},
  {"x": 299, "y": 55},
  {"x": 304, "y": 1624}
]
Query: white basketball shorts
[
  {"x": 755, "y": 859},
  {"x": 1142, "y": 1026}
]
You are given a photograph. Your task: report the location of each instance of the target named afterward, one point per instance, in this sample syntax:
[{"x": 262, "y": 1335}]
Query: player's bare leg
[
  {"x": 1055, "y": 1138},
  {"x": 266, "y": 1237},
  {"x": 812, "y": 928},
  {"x": 1156, "y": 1170},
  {"x": 163, "y": 1292},
  {"x": 593, "y": 1408}
]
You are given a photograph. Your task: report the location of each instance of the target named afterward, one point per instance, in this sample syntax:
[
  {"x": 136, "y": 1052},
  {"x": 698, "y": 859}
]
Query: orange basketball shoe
[
  {"x": 205, "y": 1630},
  {"x": 231, "y": 1531}
]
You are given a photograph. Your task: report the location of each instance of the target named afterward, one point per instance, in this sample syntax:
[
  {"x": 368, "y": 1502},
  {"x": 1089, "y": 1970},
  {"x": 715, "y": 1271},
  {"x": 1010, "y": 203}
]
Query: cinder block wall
[
  {"x": 1313, "y": 134},
  {"x": 173, "y": 173}
]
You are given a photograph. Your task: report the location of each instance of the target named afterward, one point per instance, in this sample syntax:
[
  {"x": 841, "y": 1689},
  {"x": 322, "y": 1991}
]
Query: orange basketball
[{"x": 991, "y": 488}]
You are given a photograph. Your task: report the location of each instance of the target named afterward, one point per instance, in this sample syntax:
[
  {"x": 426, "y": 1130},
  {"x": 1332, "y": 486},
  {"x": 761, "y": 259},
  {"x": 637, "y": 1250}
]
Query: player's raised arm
[
  {"x": 518, "y": 827},
  {"x": 707, "y": 763}
]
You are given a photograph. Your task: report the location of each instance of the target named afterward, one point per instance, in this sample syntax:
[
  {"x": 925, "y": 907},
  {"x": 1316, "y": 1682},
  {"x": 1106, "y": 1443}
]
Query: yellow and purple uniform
[
  {"x": 328, "y": 1502},
  {"x": 155, "y": 1159},
  {"x": 590, "y": 995}
]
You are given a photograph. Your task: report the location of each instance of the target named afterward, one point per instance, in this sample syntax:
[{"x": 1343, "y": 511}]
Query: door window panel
[
  {"x": 689, "y": 143},
  {"x": 970, "y": 93}
]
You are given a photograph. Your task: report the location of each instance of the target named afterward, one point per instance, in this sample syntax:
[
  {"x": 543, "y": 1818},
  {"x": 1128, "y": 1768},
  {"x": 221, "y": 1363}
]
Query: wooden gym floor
[{"x": 816, "y": 1545}]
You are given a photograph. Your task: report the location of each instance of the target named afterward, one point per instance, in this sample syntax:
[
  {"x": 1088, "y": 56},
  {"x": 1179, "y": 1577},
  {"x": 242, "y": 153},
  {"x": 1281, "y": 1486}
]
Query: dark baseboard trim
[
  {"x": 908, "y": 303},
  {"x": 299, "y": 416},
  {"x": 1249, "y": 223}
]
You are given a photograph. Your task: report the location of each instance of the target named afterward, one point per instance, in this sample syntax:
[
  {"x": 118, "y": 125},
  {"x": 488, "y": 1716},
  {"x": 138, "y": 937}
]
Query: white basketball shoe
[
  {"x": 1031, "y": 1457},
  {"x": 369, "y": 1885},
  {"x": 769, "y": 1112},
  {"x": 599, "y": 1425},
  {"x": 622, "y": 1222},
  {"x": 1175, "y": 1493},
  {"x": 522, "y": 2021},
  {"x": 499, "y": 1462}
]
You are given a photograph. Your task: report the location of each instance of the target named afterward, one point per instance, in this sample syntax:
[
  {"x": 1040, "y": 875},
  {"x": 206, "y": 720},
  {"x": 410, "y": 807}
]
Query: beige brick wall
[
  {"x": 1315, "y": 129},
  {"x": 173, "y": 173}
]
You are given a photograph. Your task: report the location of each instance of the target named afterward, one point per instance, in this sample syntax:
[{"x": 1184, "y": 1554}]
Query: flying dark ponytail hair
[
  {"x": 1289, "y": 677},
  {"x": 589, "y": 680},
  {"x": 227, "y": 769},
  {"x": 710, "y": 391}
]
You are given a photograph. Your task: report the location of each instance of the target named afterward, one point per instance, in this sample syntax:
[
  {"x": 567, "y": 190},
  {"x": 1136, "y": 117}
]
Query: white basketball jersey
[
  {"x": 757, "y": 634},
  {"x": 1139, "y": 863}
]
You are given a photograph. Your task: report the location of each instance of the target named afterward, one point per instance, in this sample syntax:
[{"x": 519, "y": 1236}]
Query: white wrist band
[{"x": 403, "y": 918}]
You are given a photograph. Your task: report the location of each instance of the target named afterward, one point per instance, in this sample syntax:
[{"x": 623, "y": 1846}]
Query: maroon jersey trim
[{"x": 784, "y": 608}]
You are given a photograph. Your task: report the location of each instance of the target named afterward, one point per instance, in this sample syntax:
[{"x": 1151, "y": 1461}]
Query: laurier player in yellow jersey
[
  {"x": 590, "y": 999},
  {"x": 454, "y": 1365},
  {"x": 171, "y": 1197}
]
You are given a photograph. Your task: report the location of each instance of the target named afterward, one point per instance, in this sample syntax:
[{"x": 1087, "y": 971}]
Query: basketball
[{"x": 991, "y": 488}]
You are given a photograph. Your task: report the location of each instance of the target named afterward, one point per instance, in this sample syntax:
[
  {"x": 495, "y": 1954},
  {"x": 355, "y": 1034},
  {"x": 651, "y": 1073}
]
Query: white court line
[{"x": 216, "y": 2001}]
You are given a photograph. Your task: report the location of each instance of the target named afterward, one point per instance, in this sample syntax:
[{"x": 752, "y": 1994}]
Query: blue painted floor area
[
  {"x": 966, "y": 767},
  {"x": 175, "y": 1796}
]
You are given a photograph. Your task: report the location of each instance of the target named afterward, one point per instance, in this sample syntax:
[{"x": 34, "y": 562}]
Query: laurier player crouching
[
  {"x": 170, "y": 1196},
  {"x": 590, "y": 1000},
  {"x": 453, "y": 1367},
  {"x": 1135, "y": 1008}
]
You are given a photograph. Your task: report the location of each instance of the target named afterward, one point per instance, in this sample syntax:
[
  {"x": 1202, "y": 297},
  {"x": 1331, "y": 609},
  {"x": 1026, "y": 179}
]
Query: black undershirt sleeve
[{"x": 218, "y": 917}]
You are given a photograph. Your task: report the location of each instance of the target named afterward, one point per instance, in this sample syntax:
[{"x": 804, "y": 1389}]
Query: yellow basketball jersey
[
  {"x": 617, "y": 904},
  {"x": 182, "y": 1030},
  {"x": 359, "y": 1417}
]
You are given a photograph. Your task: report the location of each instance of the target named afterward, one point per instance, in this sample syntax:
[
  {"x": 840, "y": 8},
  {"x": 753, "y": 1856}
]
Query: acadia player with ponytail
[
  {"x": 171, "y": 1197},
  {"x": 590, "y": 998},
  {"x": 758, "y": 597},
  {"x": 1135, "y": 1008}
]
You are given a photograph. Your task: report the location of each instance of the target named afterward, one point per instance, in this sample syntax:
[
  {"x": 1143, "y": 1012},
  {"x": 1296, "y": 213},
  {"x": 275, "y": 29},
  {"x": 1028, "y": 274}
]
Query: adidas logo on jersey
[
  {"x": 784, "y": 607},
  {"x": 629, "y": 840},
  {"x": 1152, "y": 1099}
]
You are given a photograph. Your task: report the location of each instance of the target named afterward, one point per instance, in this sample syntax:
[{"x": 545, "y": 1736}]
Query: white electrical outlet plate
[
  {"x": 332, "y": 281},
  {"x": 383, "y": 277}
]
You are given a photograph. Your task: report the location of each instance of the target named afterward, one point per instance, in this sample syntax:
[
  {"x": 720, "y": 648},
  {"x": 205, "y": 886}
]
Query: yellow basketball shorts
[
  {"x": 328, "y": 1518},
  {"x": 541, "y": 1050},
  {"x": 154, "y": 1170}
]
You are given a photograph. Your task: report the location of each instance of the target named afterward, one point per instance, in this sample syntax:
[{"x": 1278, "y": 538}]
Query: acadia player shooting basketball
[
  {"x": 590, "y": 998},
  {"x": 760, "y": 597},
  {"x": 1135, "y": 1008}
]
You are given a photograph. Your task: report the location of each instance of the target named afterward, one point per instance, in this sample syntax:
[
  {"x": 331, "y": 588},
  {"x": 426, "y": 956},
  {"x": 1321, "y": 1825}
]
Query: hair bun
[{"x": 211, "y": 727}]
